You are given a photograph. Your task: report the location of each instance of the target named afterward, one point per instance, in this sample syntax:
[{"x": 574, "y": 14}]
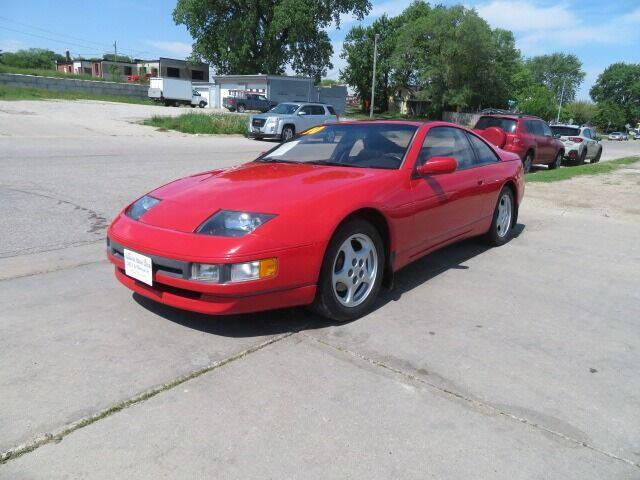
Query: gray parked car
[
  {"x": 579, "y": 143},
  {"x": 286, "y": 119}
]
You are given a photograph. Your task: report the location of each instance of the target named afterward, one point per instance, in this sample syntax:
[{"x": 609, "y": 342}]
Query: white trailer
[{"x": 174, "y": 91}]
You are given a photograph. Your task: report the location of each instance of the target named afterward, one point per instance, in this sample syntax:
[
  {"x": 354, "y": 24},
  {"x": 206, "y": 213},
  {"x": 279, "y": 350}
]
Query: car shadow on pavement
[{"x": 287, "y": 320}]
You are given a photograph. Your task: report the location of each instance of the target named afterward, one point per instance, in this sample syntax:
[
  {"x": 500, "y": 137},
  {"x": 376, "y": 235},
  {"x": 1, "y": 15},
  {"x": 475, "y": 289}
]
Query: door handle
[{"x": 480, "y": 182}]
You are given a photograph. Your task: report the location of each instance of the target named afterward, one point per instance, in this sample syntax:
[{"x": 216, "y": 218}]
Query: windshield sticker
[
  {"x": 313, "y": 130},
  {"x": 284, "y": 148}
]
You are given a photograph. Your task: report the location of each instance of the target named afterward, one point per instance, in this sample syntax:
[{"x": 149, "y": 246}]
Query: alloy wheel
[
  {"x": 503, "y": 224},
  {"x": 355, "y": 269}
]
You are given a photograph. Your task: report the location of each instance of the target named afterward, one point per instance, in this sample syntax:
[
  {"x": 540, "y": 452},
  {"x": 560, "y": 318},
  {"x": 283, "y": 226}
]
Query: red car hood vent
[{"x": 255, "y": 187}]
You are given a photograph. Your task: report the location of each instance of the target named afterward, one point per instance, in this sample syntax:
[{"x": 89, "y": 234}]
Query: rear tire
[
  {"x": 202, "y": 104},
  {"x": 527, "y": 162},
  {"x": 351, "y": 273},
  {"x": 501, "y": 228},
  {"x": 240, "y": 108},
  {"x": 557, "y": 163}
]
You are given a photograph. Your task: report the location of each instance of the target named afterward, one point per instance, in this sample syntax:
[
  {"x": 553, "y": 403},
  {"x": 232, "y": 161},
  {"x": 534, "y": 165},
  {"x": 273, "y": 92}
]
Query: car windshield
[
  {"x": 565, "y": 131},
  {"x": 367, "y": 145},
  {"x": 507, "y": 125},
  {"x": 285, "y": 108}
]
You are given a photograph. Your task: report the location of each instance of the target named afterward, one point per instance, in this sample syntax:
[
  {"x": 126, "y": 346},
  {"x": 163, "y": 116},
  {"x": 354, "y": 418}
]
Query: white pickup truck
[{"x": 175, "y": 92}]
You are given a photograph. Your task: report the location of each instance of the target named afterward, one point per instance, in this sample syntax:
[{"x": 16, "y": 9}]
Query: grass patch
[
  {"x": 213, "y": 123},
  {"x": 570, "y": 172},
  {"x": 27, "y": 93}
]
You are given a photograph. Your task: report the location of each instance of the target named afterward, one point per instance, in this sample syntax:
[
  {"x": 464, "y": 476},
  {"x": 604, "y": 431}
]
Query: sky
[{"x": 598, "y": 32}]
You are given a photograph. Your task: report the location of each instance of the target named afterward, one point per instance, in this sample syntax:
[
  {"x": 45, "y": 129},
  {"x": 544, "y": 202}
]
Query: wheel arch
[
  {"x": 379, "y": 221},
  {"x": 510, "y": 184}
]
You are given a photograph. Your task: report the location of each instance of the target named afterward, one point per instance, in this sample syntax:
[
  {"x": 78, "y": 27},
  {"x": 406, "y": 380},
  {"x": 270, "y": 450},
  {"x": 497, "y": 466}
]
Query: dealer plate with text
[{"x": 138, "y": 266}]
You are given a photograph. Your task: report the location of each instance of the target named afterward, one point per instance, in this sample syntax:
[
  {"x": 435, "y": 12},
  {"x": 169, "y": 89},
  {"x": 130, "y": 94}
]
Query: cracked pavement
[{"x": 515, "y": 362}]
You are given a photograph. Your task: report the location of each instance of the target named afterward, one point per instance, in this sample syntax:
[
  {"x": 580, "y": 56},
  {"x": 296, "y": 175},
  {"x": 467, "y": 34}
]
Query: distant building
[
  {"x": 280, "y": 88},
  {"x": 118, "y": 71}
]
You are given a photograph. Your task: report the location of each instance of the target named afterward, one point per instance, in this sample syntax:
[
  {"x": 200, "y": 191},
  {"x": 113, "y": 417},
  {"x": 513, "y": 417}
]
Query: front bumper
[
  {"x": 293, "y": 285},
  {"x": 264, "y": 131}
]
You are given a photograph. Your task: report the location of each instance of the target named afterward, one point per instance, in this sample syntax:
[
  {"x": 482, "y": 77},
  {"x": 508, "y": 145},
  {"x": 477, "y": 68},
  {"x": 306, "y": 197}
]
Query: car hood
[
  {"x": 274, "y": 115},
  {"x": 276, "y": 188}
]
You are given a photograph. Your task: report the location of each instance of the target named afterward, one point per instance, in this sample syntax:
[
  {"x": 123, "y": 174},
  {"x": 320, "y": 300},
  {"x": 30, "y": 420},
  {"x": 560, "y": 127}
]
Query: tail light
[
  {"x": 575, "y": 139},
  {"x": 512, "y": 139}
]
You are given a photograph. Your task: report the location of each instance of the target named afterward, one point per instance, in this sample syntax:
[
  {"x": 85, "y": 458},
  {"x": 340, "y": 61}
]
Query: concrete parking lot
[{"x": 512, "y": 363}]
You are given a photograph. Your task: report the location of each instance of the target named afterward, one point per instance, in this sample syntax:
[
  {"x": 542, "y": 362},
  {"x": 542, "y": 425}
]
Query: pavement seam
[
  {"x": 53, "y": 270},
  {"x": 471, "y": 401},
  {"x": 59, "y": 434}
]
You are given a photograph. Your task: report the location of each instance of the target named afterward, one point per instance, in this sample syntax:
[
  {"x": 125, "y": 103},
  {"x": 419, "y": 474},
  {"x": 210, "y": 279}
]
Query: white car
[
  {"x": 579, "y": 143},
  {"x": 619, "y": 136},
  {"x": 286, "y": 119}
]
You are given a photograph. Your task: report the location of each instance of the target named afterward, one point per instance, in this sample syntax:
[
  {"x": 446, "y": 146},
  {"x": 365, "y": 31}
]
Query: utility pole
[
  {"x": 561, "y": 99},
  {"x": 373, "y": 78},
  {"x": 115, "y": 50}
]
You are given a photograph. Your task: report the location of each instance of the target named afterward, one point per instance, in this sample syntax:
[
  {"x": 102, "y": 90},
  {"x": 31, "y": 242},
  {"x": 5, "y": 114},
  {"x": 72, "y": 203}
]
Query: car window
[
  {"x": 262, "y": 97},
  {"x": 317, "y": 110},
  {"x": 545, "y": 129},
  {"x": 331, "y": 110},
  {"x": 484, "y": 153},
  {"x": 507, "y": 125},
  {"x": 285, "y": 108},
  {"x": 308, "y": 109},
  {"x": 447, "y": 142},
  {"x": 565, "y": 131},
  {"x": 587, "y": 133},
  {"x": 533, "y": 127},
  {"x": 352, "y": 145}
]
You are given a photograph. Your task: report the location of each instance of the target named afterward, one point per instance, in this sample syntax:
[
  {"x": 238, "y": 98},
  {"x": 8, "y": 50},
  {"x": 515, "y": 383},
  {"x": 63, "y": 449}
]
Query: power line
[{"x": 85, "y": 43}]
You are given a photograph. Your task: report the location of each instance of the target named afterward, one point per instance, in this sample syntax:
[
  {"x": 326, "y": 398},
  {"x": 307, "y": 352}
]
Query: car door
[
  {"x": 305, "y": 118},
  {"x": 592, "y": 145},
  {"x": 446, "y": 205},
  {"x": 549, "y": 142},
  {"x": 489, "y": 173},
  {"x": 319, "y": 115}
]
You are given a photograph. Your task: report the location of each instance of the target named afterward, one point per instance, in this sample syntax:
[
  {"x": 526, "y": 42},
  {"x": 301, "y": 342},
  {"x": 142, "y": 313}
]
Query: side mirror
[
  {"x": 302, "y": 112},
  {"x": 437, "y": 165},
  {"x": 557, "y": 135}
]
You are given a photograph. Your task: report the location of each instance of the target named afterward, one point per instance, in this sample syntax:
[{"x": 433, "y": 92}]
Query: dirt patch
[{"x": 615, "y": 194}]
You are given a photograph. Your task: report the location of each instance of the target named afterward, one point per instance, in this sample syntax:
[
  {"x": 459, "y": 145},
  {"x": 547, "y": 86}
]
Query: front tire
[
  {"x": 202, "y": 104},
  {"x": 240, "y": 108},
  {"x": 352, "y": 271},
  {"x": 501, "y": 228},
  {"x": 557, "y": 163},
  {"x": 288, "y": 132},
  {"x": 596, "y": 159}
]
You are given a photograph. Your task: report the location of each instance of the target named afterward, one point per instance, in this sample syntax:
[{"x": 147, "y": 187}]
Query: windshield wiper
[
  {"x": 275, "y": 160},
  {"x": 334, "y": 164}
]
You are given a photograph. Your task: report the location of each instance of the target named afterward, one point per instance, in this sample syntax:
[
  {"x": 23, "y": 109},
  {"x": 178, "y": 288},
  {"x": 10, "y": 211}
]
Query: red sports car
[{"x": 324, "y": 219}]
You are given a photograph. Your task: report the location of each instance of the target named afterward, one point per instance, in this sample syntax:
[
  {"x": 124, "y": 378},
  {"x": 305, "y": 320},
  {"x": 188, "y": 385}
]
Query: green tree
[
  {"x": 609, "y": 116},
  {"x": 619, "y": 85},
  {"x": 580, "y": 112},
  {"x": 258, "y": 36},
  {"x": 451, "y": 56},
  {"x": 538, "y": 100},
  {"x": 31, "y": 58},
  {"x": 358, "y": 49},
  {"x": 555, "y": 70}
]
